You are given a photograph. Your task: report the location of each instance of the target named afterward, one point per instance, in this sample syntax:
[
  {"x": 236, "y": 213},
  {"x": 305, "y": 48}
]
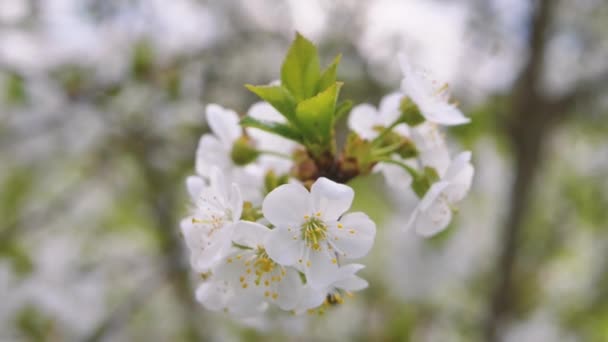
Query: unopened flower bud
[{"x": 243, "y": 152}]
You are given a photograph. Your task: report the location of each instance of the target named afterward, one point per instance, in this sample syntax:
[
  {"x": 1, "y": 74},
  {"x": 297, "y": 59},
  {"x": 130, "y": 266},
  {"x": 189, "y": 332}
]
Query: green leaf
[
  {"x": 328, "y": 77},
  {"x": 343, "y": 108},
  {"x": 278, "y": 97},
  {"x": 300, "y": 71},
  {"x": 283, "y": 130},
  {"x": 316, "y": 115}
]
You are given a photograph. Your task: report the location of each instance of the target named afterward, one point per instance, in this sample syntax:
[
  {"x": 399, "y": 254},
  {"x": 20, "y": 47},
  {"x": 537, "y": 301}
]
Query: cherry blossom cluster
[{"x": 270, "y": 225}]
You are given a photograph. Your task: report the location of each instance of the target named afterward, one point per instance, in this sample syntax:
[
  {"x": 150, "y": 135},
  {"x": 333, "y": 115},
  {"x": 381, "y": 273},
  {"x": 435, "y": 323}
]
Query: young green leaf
[
  {"x": 316, "y": 115},
  {"x": 300, "y": 71},
  {"x": 278, "y": 97},
  {"x": 286, "y": 131},
  {"x": 328, "y": 77}
]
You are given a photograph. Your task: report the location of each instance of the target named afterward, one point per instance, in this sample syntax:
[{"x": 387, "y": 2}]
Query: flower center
[
  {"x": 214, "y": 221},
  {"x": 262, "y": 263},
  {"x": 262, "y": 271},
  {"x": 314, "y": 231},
  {"x": 212, "y": 214}
]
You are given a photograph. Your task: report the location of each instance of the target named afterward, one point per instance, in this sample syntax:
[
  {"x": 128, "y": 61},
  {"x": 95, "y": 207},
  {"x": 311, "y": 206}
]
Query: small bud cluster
[{"x": 271, "y": 226}]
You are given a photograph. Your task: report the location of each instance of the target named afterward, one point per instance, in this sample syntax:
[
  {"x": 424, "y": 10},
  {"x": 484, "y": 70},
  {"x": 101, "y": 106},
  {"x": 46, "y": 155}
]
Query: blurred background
[{"x": 102, "y": 104}]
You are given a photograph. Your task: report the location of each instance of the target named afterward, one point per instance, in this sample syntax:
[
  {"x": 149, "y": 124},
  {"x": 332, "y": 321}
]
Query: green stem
[
  {"x": 276, "y": 154},
  {"x": 384, "y": 132},
  {"x": 387, "y": 149},
  {"x": 404, "y": 166}
]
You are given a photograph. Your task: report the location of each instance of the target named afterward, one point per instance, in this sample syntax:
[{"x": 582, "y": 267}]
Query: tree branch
[{"x": 527, "y": 128}]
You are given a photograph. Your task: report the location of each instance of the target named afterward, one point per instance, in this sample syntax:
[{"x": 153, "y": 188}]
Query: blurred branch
[{"x": 527, "y": 128}]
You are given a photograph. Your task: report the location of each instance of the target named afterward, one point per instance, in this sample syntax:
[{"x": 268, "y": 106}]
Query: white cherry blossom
[
  {"x": 311, "y": 231},
  {"x": 208, "y": 232},
  {"x": 434, "y": 212},
  {"x": 431, "y": 97},
  {"x": 432, "y": 151},
  {"x": 253, "y": 275},
  {"x": 214, "y": 149},
  {"x": 430, "y": 144},
  {"x": 368, "y": 122},
  {"x": 221, "y": 295}
]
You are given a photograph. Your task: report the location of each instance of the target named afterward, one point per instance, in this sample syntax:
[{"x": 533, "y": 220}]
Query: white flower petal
[
  {"x": 362, "y": 120},
  {"x": 246, "y": 304},
  {"x": 287, "y": 205},
  {"x": 430, "y": 98},
  {"x": 443, "y": 113},
  {"x": 330, "y": 198},
  {"x": 346, "y": 271},
  {"x": 198, "y": 242},
  {"x": 311, "y": 298},
  {"x": 352, "y": 283},
  {"x": 460, "y": 175},
  {"x": 224, "y": 123},
  {"x": 186, "y": 226},
  {"x": 432, "y": 194},
  {"x": 389, "y": 108},
  {"x": 212, "y": 250},
  {"x": 264, "y": 111},
  {"x": 319, "y": 269},
  {"x": 236, "y": 202},
  {"x": 250, "y": 180},
  {"x": 211, "y": 153},
  {"x": 281, "y": 246},
  {"x": 435, "y": 219},
  {"x": 195, "y": 185},
  {"x": 219, "y": 185},
  {"x": 461, "y": 185},
  {"x": 250, "y": 234},
  {"x": 290, "y": 290},
  {"x": 459, "y": 163},
  {"x": 432, "y": 147},
  {"x": 212, "y": 296},
  {"x": 353, "y": 235}
]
